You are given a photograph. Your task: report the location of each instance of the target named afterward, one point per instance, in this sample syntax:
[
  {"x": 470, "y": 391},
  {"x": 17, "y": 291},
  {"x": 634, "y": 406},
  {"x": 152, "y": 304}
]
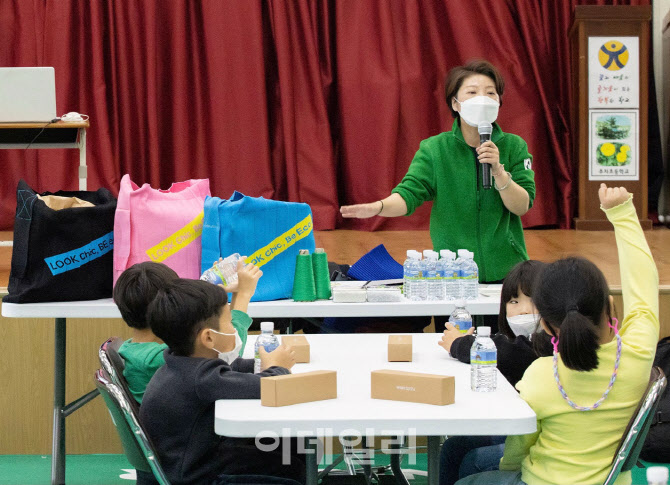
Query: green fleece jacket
[{"x": 465, "y": 215}]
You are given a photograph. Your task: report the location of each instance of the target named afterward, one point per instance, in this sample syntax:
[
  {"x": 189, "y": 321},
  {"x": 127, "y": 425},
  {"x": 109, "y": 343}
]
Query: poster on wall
[
  {"x": 613, "y": 145},
  {"x": 614, "y": 72}
]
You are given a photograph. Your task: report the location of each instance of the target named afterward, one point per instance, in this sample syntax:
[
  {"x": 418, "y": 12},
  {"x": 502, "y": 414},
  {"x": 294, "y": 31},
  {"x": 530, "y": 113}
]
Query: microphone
[{"x": 485, "y": 129}]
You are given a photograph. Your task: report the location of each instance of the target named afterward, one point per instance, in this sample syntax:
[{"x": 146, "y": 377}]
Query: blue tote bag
[{"x": 269, "y": 232}]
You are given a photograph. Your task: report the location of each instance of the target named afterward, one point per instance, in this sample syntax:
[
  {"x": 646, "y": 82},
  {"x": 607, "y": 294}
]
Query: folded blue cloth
[{"x": 376, "y": 264}]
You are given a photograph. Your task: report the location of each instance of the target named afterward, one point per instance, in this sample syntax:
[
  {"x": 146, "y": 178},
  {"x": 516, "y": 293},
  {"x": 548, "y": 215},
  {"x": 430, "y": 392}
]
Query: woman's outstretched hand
[
  {"x": 612, "y": 196},
  {"x": 361, "y": 211}
]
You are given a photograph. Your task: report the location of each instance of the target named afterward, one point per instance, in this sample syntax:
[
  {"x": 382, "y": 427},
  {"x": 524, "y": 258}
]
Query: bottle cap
[
  {"x": 462, "y": 253},
  {"x": 319, "y": 250},
  {"x": 267, "y": 326},
  {"x": 303, "y": 251},
  {"x": 444, "y": 253},
  {"x": 484, "y": 331},
  {"x": 657, "y": 474},
  {"x": 410, "y": 252},
  {"x": 426, "y": 253},
  {"x": 460, "y": 303}
]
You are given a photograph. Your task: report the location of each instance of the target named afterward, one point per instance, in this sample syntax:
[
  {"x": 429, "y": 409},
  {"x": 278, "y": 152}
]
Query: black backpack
[{"x": 656, "y": 447}]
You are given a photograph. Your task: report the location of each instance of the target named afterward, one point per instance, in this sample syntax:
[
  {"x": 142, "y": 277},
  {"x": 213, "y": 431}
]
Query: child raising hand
[
  {"x": 243, "y": 289},
  {"x": 585, "y": 394}
]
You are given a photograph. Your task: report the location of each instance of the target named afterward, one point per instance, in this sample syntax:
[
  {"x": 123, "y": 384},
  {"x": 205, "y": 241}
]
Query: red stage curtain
[{"x": 317, "y": 101}]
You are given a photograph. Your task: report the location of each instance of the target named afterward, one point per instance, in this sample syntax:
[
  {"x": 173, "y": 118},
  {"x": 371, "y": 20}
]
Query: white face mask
[
  {"x": 479, "y": 109},
  {"x": 524, "y": 324},
  {"x": 230, "y": 356}
]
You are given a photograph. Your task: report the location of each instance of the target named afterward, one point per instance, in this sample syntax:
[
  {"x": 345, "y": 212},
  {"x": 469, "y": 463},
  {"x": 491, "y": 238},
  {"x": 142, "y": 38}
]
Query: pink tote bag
[{"x": 160, "y": 225}]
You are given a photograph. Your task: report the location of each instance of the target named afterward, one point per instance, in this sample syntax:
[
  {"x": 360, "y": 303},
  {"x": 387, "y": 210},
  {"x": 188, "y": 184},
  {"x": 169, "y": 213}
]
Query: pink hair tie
[
  {"x": 554, "y": 342},
  {"x": 614, "y": 327}
]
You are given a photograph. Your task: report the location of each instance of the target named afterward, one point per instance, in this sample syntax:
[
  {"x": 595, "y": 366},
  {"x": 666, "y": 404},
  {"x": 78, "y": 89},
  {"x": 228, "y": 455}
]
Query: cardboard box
[
  {"x": 395, "y": 385},
  {"x": 290, "y": 389},
  {"x": 300, "y": 347},
  {"x": 400, "y": 348}
]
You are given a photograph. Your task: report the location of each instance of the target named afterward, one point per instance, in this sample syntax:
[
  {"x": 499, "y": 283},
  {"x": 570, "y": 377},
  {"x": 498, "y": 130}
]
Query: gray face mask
[
  {"x": 230, "y": 356},
  {"x": 524, "y": 324}
]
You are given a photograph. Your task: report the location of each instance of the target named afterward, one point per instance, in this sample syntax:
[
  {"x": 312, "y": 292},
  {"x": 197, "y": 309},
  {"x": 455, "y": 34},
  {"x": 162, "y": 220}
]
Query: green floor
[{"x": 115, "y": 470}]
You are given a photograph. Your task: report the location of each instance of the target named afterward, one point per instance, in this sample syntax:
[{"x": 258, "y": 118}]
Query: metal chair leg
[{"x": 396, "y": 458}]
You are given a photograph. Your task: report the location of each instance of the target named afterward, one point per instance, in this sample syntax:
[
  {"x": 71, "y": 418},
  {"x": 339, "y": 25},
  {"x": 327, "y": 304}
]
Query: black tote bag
[{"x": 64, "y": 254}]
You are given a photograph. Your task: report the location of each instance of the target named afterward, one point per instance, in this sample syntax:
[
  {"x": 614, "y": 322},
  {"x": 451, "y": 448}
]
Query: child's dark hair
[
  {"x": 137, "y": 287},
  {"x": 182, "y": 309},
  {"x": 572, "y": 296},
  {"x": 522, "y": 277}
]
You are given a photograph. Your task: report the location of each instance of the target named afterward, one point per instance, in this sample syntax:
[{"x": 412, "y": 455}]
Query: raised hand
[{"x": 612, "y": 196}]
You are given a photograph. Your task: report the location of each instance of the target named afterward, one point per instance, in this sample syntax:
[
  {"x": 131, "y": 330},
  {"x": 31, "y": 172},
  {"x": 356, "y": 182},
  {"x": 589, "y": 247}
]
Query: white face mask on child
[
  {"x": 230, "y": 356},
  {"x": 524, "y": 324}
]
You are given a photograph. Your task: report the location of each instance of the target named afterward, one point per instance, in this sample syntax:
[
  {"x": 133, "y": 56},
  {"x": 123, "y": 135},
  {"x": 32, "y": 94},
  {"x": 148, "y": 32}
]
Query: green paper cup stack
[
  {"x": 303, "y": 283},
  {"x": 321, "y": 276}
]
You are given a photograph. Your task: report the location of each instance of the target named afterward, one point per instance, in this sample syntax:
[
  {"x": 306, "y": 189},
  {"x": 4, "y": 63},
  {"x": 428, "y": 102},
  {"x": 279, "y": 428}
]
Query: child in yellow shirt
[{"x": 585, "y": 395}]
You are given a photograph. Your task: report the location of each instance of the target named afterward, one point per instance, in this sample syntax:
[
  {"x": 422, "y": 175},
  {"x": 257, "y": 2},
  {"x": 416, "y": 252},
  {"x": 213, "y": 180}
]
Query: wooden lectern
[{"x": 610, "y": 70}]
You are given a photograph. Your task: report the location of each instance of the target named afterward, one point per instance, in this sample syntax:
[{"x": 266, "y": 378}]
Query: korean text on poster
[{"x": 614, "y": 72}]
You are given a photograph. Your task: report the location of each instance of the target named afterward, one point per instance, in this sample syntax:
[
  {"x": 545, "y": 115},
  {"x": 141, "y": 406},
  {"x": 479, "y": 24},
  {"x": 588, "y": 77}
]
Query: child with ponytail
[{"x": 585, "y": 394}]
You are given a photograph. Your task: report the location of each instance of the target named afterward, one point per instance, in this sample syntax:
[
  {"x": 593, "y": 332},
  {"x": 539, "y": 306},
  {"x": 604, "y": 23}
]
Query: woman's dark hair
[
  {"x": 135, "y": 289},
  {"x": 572, "y": 296},
  {"x": 458, "y": 74},
  {"x": 520, "y": 278},
  {"x": 182, "y": 309}
]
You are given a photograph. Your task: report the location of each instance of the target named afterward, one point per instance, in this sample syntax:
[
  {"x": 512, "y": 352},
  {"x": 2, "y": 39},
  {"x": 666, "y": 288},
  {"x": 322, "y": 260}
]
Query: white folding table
[
  {"x": 354, "y": 412},
  {"x": 487, "y": 303}
]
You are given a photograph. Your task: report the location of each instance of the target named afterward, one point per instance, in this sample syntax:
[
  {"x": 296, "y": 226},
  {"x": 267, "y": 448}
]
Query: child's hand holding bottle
[
  {"x": 245, "y": 286},
  {"x": 247, "y": 279},
  {"x": 282, "y": 356},
  {"x": 450, "y": 334}
]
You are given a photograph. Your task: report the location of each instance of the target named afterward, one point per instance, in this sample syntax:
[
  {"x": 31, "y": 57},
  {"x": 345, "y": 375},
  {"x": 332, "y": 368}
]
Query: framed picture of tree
[{"x": 613, "y": 142}]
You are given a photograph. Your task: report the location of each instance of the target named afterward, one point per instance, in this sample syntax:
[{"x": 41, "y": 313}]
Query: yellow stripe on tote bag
[{"x": 177, "y": 241}]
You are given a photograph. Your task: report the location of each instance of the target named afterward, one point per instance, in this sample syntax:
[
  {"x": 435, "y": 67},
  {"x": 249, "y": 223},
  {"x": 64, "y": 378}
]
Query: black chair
[
  {"x": 136, "y": 445},
  {"x": 125, "y": 411},
  {"x": 631, "y": 443},
  {"x": 113, "y": 363}
]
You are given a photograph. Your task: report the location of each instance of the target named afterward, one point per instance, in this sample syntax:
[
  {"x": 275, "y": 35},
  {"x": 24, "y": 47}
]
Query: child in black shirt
[{"x": 202, "y": 366}]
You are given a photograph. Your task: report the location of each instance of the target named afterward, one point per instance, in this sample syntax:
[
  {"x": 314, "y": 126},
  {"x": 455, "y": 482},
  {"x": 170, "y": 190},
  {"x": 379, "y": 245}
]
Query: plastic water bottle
[
  {"x": 483, "y": 362},
  {"x": 419, "y": 292},
  {"x": 417, "y": 287},
  {"x": 411, "y": 274},
  {"x": 266, "y": 339},
  {"x": 407, "y": 275},
  {"x": 470, "y": 277},
  {"x": 657, "y": 475},
  {"x": 223, "y": 272},
  {"x": 452, "y": 284},
  {"x": 441, "y": 270},
  {"x": 459, "y": 265},
  {"x": 460, "y": 317},
  {"x": 429, "y": 275}
]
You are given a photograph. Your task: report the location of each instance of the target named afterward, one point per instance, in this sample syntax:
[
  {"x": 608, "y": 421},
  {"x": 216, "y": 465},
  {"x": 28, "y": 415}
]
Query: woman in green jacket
[{"x": 446, "y": 170}]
